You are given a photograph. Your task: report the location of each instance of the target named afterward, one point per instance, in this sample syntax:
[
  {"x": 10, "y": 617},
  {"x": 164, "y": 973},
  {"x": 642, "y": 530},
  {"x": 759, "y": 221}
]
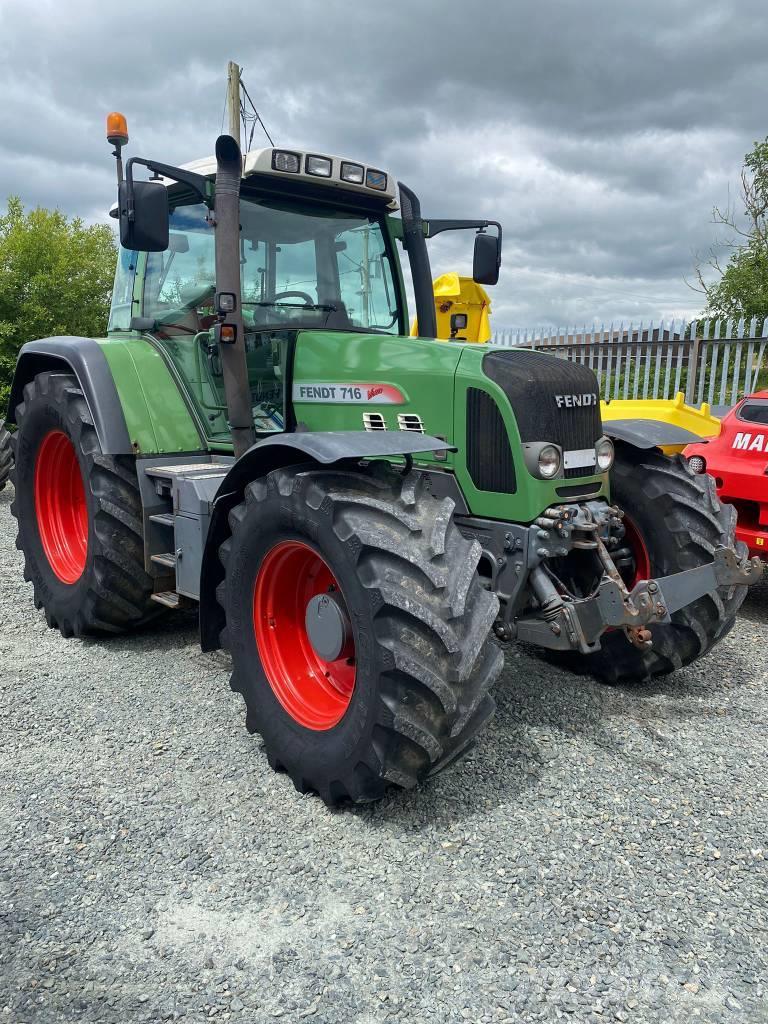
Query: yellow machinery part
[
  {"x": 460, "y": 295},
  {"x": 698, "y": 421}
]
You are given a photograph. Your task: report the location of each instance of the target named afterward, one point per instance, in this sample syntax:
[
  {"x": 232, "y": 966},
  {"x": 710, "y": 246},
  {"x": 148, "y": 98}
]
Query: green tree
[
  {"x": 55, "y": 278},
  {"x": 740, "y": 288}
]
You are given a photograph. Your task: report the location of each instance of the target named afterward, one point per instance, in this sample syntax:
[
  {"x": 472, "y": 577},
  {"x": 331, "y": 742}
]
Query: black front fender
[
  {"x": 321, "y": 448},
  {"x": 648, "y": 433},
  {"x": 84, "y": 358}
]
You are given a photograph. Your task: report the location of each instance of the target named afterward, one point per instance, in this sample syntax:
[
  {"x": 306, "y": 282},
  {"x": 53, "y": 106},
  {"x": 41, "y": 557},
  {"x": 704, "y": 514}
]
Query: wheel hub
[
  {"x": 304, "y": 635},
  {"x": 60, "y": 507},
  {"x": 328, "y": 627}
]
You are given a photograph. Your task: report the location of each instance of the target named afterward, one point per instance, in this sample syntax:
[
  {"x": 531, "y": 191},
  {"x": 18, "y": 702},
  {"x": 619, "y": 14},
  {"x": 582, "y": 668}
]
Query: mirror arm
[
  {"x": 435, "y": 227},
  {"x": 196, "y": 182}
]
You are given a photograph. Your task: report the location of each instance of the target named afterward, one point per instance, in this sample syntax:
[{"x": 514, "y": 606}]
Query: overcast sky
[{"x": 599, "y": 133}]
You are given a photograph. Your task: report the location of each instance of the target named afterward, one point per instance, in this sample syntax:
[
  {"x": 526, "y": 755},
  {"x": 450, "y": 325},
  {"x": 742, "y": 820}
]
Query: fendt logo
[
  {"x": 576, "y": 401},
  {"x": 747, "y": 443}
]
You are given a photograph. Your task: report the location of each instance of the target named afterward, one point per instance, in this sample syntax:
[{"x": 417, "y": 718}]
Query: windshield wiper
[{"x": 325, "y": 307}]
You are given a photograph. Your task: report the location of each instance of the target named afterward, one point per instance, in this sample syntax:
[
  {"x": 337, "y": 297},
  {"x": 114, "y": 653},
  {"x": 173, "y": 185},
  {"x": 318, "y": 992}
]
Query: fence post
[{"x": 693, "y": 365}]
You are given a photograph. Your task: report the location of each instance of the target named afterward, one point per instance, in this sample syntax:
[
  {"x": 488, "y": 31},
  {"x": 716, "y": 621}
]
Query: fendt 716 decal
[{"x": 355, "y": 394}]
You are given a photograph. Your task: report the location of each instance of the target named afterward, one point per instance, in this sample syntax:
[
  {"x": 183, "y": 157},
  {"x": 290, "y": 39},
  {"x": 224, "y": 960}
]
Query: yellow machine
[
  {"x": 674, "y": 412},
  {"x": 462, "y": 308},
  {"x": 463, "y": 314}
]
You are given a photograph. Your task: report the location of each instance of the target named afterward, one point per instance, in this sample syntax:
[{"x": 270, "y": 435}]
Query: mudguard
[
  {"x": 322, "y": 448},
  {"x": 669, "y": 424},
  {"x": 643, "y": 433},
  {"x": 85, "y": 359}
]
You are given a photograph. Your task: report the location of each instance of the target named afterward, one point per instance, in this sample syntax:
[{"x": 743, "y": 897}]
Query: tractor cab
[{"x": 317, "y": 251}]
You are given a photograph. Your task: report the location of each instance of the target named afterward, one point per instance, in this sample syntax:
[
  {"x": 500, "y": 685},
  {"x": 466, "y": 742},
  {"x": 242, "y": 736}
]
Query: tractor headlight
[
  {"x": 605, "y": 453},
  {"x": 376, "y": 179},
  {"x": 353, "y": 173},
  {"x": 319, "y": 165},
  {"x": 549, "y": 461},
  {"x": 285, "y": 161},
  {"x": 698, "y": 464}
]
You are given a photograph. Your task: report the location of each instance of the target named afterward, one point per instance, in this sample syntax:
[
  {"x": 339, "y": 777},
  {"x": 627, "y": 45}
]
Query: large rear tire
[
  {"x": 674, "y": 522},
  {"x": 6, "y": 455},
  {"x": 79, "y": 515},
  {"x": 402, "y": 689}
]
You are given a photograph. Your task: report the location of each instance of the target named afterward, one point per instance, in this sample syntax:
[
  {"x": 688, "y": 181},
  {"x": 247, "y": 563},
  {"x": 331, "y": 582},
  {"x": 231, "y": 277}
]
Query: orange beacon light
[{"x": 117, "y": 129}]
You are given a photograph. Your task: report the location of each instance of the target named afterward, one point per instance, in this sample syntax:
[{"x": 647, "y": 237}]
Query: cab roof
[{"x": 262, "y": 162}]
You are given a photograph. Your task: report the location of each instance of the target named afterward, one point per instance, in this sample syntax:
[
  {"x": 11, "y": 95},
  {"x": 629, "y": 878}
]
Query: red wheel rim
[
  {"x": 60, "y": 507},
  {"x": 640, "y": 554},
  {"x": 314, "y": 692}
]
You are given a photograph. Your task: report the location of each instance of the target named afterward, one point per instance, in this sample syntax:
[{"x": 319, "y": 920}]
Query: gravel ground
[{"x": 601, "y": 856}]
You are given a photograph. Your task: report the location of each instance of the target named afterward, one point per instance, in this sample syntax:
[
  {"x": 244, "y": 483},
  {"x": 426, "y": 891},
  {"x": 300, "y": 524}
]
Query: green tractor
[{"x": 359, "y": 515}]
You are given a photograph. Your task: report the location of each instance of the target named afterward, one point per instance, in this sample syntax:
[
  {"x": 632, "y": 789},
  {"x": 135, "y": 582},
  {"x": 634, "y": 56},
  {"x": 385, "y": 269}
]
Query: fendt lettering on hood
[
  {"x": 747, "y": 443},
  {"x": 576, "y": 401}
]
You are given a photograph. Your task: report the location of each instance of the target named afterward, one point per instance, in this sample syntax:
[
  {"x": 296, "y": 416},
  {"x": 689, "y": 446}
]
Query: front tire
[
  {"x": 79, "y": 515},
  {"x": 674, "y": 522},
  {"x": 404, "y": 687}
]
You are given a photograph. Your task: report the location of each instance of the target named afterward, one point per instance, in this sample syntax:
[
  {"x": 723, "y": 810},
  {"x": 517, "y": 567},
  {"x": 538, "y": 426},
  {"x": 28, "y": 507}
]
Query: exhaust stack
[{"x": 230, "y": 331}]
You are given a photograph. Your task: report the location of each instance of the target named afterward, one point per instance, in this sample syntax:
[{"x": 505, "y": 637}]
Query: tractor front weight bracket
[{"x": 520, "y": 562}]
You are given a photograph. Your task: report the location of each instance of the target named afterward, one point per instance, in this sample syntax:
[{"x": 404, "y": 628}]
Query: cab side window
[
  {"x": 754, "y": 412},
  {"x": 122, "y": 291},
  {"x": 365, "y": 278},
  {"x": 182, "y": 278}
]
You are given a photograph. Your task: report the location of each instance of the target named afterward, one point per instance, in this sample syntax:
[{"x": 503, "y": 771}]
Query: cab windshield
[{"x": 303, "y": 266}]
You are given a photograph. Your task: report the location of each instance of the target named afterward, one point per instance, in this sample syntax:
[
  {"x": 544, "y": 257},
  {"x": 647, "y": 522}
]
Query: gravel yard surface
[{"x": 600, "y": 856}]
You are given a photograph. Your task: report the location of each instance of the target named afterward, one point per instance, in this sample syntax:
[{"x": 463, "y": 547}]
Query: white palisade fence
[{"x": 715, "y": 361}]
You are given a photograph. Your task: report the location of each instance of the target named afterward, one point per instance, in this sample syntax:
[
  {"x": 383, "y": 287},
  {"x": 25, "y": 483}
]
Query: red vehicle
[{"x": 738, "y": 460}]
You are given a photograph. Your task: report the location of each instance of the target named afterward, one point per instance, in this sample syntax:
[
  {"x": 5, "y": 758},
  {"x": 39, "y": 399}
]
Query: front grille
[
  {"x": 489, "y": 457},
  {"x": 579, "y": 490},
  {"x": 531, "y": 380}
]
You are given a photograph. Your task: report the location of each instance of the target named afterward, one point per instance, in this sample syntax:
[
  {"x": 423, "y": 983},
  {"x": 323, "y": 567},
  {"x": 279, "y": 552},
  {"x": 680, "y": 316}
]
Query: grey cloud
[{"x": 599, "y": 134}]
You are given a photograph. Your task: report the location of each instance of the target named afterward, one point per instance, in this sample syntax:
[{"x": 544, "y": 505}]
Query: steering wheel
[{"x": 308, "y": 300}]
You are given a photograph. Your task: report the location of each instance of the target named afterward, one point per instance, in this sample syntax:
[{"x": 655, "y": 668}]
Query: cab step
[
  {"x": 163, "y": 518},
  {"x": 168, "y": 598},
  {"x": 167, "y": 560},
  {"x": 183, "y": 470}
]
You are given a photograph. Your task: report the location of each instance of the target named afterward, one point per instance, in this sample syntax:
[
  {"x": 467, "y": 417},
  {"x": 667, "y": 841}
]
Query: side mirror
[
  {"x": 178, "y": 243},
  {"x": 147, "y": 230},
  {"x": 487, "y": 259}
]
